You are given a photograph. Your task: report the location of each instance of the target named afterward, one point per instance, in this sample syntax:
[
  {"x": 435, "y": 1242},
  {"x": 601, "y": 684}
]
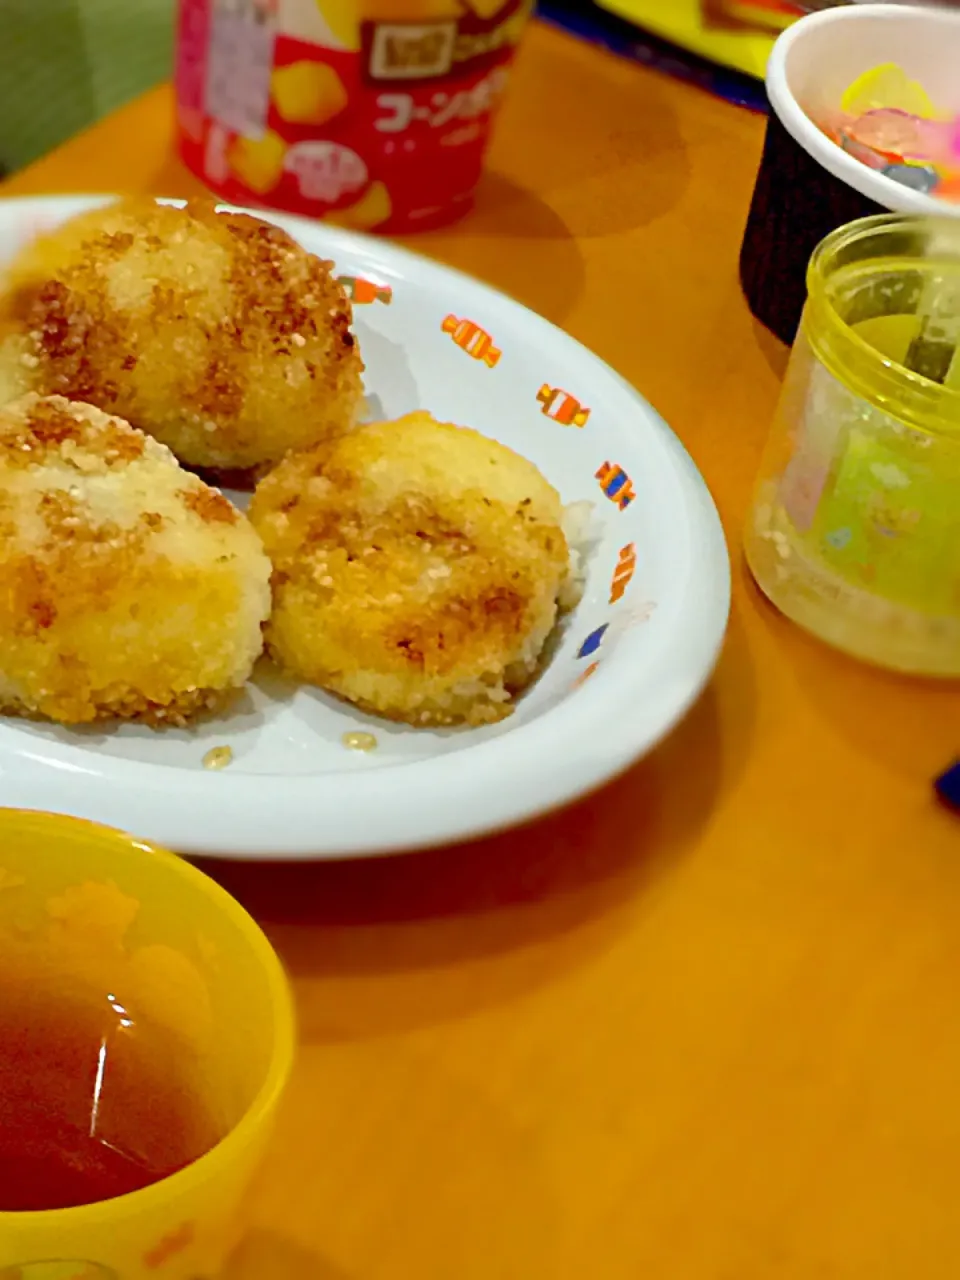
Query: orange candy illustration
[
  {"x": 362, "y": 292},
  {"x": 469, "y": 337},
  {"x": 562, "y": 407},
  {"x": 626, "y": 567}
]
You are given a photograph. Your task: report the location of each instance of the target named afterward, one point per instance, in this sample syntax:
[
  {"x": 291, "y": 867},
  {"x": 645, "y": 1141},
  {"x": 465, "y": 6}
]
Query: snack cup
[
  {"x": 853, "y": 531},
  {"x": 98, "y": 911},
  {"x": 372, "y": 114},
  {"x": 807, "y": 185}
]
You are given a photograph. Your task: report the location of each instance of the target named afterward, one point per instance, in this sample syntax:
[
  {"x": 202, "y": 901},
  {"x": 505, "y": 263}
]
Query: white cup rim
[{"x": 871, "y": 184}]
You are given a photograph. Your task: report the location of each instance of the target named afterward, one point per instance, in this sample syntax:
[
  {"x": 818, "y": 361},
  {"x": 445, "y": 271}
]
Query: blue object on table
[
  {"x": 590, "y": 22},
  {"x": 948, "y": 786}
]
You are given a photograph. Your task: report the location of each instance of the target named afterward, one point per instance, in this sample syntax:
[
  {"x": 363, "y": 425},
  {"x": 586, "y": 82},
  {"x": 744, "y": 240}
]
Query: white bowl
[
  {"x": 627, "y": 665},
  {"x": 816, "y": 60}
]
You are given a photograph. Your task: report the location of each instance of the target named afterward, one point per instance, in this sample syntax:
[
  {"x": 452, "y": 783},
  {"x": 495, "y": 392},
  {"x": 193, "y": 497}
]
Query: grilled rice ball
[
  {"x": 215, "y": 332},
  {"x": 128, "y": 587},
  {"x": 416, "y": 569}
]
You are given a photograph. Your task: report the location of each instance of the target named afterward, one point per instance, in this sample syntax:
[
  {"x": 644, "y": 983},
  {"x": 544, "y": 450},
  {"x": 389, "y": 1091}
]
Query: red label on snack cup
[{"x": 331, "y": 112}]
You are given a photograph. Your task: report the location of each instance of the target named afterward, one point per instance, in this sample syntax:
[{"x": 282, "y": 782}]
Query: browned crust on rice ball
[
  {"x": 127, "y": 587},
  {"x": 215, "y": 332},
  {"x": 416, "y": 570}
]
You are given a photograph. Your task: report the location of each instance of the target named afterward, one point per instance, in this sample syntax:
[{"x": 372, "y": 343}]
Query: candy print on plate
[
  {"x": 363, "y": 292},
  {"x": 561, "y": 407},
  {"x": 645, "y": 531},
  {"x": 470, "y": 338},
  {"x": 623, "y": 573},
  {"x": 585, "y": 675},
  {"x": 593, "y": 641},
  {"x": 616, "y": 484}
]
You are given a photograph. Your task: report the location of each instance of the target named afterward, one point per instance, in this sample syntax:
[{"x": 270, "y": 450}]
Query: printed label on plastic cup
[
  {"x": 872, "y": 498},
  {"x": 369, "y": 114}
]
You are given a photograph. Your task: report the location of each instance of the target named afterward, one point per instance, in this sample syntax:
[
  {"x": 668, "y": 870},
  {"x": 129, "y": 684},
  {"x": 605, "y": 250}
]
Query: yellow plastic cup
[
  {"x": 853, "y": 531},
  {"x": 105, "y": 913}
]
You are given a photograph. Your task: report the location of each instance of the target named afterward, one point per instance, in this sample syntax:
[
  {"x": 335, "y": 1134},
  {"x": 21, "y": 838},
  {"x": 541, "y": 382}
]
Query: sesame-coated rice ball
[
  {"x": 128, "y": 587},
  {"x": 417, "y": 569},
  {"x": 215, "y": 332}
]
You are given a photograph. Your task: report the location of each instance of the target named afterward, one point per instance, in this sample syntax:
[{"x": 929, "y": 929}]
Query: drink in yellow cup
[
  {"x": 373, "y": 114},
  {"x": 146, "y": 1035}
]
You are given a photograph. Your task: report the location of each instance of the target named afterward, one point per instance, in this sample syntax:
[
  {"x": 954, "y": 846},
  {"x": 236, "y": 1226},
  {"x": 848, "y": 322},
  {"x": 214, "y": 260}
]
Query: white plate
[{"x": 624, "y": 671}]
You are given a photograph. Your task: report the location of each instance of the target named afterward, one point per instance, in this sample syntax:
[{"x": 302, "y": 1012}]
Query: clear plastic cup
[
  {"x": 104, "y": 915},
  {"x": 854, "y": 531}
]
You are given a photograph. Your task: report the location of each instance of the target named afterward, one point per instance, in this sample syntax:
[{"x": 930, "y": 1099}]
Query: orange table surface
[{"x": 703, "y": 1026}]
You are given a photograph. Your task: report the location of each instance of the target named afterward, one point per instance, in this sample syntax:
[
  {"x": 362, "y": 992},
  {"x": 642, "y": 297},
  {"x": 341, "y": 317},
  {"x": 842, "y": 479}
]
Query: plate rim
[{"x": 460, "y": 808}]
